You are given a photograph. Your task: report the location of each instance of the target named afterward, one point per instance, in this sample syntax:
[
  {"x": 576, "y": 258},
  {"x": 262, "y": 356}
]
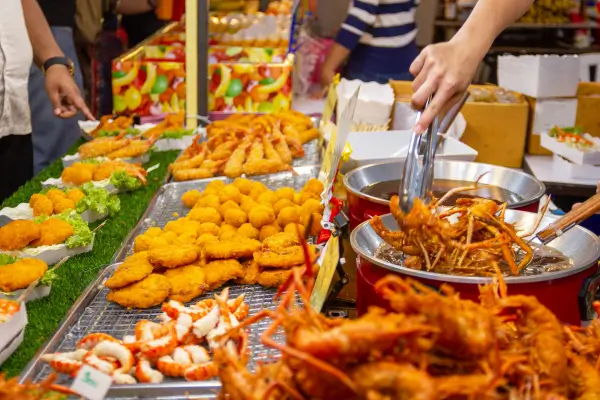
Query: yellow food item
[
  {"x": 209, "y": 200},
  {"x": 311, "y": 206},
  {"x": 294, "y": 228},
  {"x": 267, "y": 198},
  {"x": 235, "y": 217},
  {"x": 190, "y": 198},
  {"x": 153, "y": 232},
  {"x": 268, "y": 230},
  {"x": 228, "y": 205},
  {"x": 244, "y": 185},
  {"x": 208, "y": 227},
  {"x": 248, "y": 231},
  {"x": 205, "y": 214},
  {"x": 285, "y": 193},
  {"x": 230, "y": 192},
  {"x": 288, "y": 215},
  {"x": 260, "y": 216}
]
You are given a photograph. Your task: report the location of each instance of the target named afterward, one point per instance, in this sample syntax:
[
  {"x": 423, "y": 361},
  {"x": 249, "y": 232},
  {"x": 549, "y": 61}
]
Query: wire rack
[
  {"x": 167, "y": 205},
  {"x": 93, "y": 313}
]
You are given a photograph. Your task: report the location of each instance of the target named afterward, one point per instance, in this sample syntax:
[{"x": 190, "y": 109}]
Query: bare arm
[
  {"x": 447, "y": 69},
  {"x": 42, "y": 41},
  {"x": 130, "y": 7},
  {"x": 335, "y": 57}
]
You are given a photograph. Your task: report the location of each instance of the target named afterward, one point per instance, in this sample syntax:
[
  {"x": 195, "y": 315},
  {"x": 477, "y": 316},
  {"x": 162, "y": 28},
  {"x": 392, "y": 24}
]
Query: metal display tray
[
  {"x": 167, "y": 206},
  {"x": 93, "y": 313}
]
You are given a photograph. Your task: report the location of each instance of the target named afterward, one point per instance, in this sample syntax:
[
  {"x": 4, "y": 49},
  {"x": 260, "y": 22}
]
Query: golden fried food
[
  {"x": 285, "y": 193},
  {"x": 314, "y": 186},
  {"x": 305, "y": 196},
  {"x": 248, "y": 204},
  {"x": 216, "y": 185},
  {"x": 267, "y": 198},
  {"x": 257, "y": 189},
  {"x": 153, "y": 232},
  {"x": 281, "y": 241},
  {"x": 281, "y": 204},
  {"x": 251, "y": 272},
  {"x": 173, "y": 256},
  {"x": 230, "y": 192},
  {"x": 205, "y": 238},
  {"x": 228, "y": 205},
  {"x": 149, "y": 292},
  {"x": 53, "y": 231},
  {"x": 293, "y": 229},
  {"x": 289, "y": 215},
  {"x": 209, "y": 227},
  {"x": 133, "y": 269},
  {"x": 242, "y": 248},
  {"x": 75, "y": 195},
  {"x": 273, "y": 278},
  {"x": 55, "y": 194},
  {"x": 17, "y": 234},
  {"x": 190, "y": 198},
  {"x": 235, "y": 217},
  {"x": 260, "y": 216},
  {"x": 187, "y": 282},
  {"x": 227, "y": 232},
  {"x": 21, "y": 274},
  {"x": 78, "y": 174},
  {"x": 168, "y": 237},
  {"x": 243, "y": 185},
  {"x": 209, "y": 200},
  {"x": 267, "y": 231},
  {"x": 285, "y": 258},
  {"x": 248, "y": 231},
  {"x": 63, "y": 204},
  {"x": 181, "y": 226},
  {"x": 311, "y": 206},
  {"x": 41, "y": 205},
  {"x": 205, "y": 214},
  {"x": 186, "y": 238},
  {"x": 221, "y": 271}
]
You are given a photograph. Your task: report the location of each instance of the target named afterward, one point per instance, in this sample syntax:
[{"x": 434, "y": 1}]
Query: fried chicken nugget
[
  {"x": 244, "y": 185},
  {"x": 190, "y": 198},
  {"x": 205, "y": 214},
  {"x": 274, "y": 278},
  {"x": 173, "y": 256},
  {"x": 149, "y": 292},
  {"x": 75, "y": 195},
  {"x": 286, "y": 258},
  {"x": 187, "y": 282},
  {"x": 21, "y": 274},
  {"x": 248, "y": 231},
  {"x": 261, "y": 215},
  {"x": 221, "y": 271},
  {"x": 289, "y": 215},
  {"x": 63, "y": 204},
  {"x": 280, "y": 241},
  {"x": 55, "y": 194},
  {"x": 209, "y": 200},
  {"x": 17, "y": 234},
  {"x": 251, "y": 272},
  {"x": 294, "y": 228},
  {"x": 209, "y": 227},
  {"x": 205, "y": 238},
  {"x": 133, "y": 269},
  {"x": 285, "y": 193},
  {"x": 53, "y": 231},
  {"x": 230, "y": 192},
  {"x": 240, "y": 248},
  {"x": 41, "y": 205},
  {"x": 267, "y": 231},
  {"x": 314, "y": 186},
  {"x": 235, "y": 217},
  {"x": 181, "y": 226}
]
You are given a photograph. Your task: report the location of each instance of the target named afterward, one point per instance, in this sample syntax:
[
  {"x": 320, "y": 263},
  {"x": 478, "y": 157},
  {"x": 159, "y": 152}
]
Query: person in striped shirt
[
  {"x": 378, "y": 39},
  {"x": 447, "y": 69}
]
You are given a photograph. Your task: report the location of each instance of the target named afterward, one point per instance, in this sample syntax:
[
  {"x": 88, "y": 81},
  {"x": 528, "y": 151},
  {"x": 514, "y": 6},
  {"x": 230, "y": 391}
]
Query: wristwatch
[{"x": 59, "y": 61}]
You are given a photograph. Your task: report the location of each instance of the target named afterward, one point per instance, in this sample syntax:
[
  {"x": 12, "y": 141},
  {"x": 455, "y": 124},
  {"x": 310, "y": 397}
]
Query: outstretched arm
[
  {"x": 447, "y": 69},
  {"x": 42, "y": 41}
]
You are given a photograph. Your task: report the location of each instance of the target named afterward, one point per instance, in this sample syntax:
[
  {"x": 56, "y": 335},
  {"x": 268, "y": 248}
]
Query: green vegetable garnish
[
  {"x": 177, "y": 133},
  {"x": 49, "y": 277},
  {"x": 82, "y": 235},
  {"x": 6, "y": 259},
  {"x": 99, "y": 200},
  {"x": 122, "y": 180}
]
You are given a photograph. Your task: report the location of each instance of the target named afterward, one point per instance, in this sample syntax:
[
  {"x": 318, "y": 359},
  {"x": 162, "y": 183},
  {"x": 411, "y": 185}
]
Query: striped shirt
[{"x": 381, "y": 35}]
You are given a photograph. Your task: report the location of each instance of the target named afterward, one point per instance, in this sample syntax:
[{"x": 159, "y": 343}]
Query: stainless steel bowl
[
  {"x": 526, "y": 186},
  {"x": 579, "y": 244}
]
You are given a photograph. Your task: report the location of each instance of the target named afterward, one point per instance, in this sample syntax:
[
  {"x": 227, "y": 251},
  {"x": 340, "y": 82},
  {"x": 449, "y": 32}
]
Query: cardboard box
[
  {"x": 545, "y": 114},
  {"x": 588, "y": 104},
  {"x": 575, "y": 171},
  {"x": 573, "y": 154},
  {"x": 497, "y": 131},
  {"x": 539, "y": 76},
  {"x": 587, "y": 64}
]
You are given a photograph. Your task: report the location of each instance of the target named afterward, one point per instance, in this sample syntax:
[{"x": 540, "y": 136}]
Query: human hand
[
  {"x": 327, "y": 76},
  {"x": 444, "y": 70},
  {"x": 597, "y": 192},
  {"x": 64, "y": 93}
]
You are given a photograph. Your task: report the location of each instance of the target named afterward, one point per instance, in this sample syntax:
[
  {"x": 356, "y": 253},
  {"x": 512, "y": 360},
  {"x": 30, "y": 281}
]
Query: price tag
[
  {"x": 91, "y": 383},
  {"x": 329, "y": 261}
]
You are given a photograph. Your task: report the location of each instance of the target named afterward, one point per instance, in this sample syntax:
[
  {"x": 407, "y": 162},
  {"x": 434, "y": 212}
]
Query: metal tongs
[{"x": 417, "y": 175}]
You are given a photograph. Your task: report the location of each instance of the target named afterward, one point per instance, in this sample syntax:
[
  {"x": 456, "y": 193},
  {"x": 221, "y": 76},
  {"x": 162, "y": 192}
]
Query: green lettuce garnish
[
  {"x": 99, "y": 200},
  {"x": 111, "y": 133},
  {"x": 82, "y": 235},
  {"x": 121, "y": 180},
  {"x": 6, "y": 259},
  {"x": 49, "y": 277},
  {"x": 176, "y": 133}
]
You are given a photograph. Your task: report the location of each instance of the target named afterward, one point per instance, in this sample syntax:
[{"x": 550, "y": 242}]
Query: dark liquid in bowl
[{"x": 386, "y": 189}]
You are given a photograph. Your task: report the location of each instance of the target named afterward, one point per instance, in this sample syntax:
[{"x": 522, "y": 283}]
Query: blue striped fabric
[{"x": 381, "y": 35}]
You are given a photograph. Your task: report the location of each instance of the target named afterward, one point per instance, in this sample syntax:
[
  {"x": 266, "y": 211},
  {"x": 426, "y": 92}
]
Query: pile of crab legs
[
  {"x": 170, "y": 348},
  {"x": 430, "y": 345},
  {"x": 472, "y": 245}
]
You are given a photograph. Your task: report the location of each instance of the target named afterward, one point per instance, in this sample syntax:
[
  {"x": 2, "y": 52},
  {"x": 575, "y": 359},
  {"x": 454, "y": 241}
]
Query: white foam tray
[
  {"x": 573, "y": 154},
  {"x": 12, "y": 346},
  {"x": 69, "y": 160},
  {"x": 58, "y": 182},
  {"x": 24, "y": 211},
  {"x": 50, "y": 254},
  {"x": 10, "y": 332}
]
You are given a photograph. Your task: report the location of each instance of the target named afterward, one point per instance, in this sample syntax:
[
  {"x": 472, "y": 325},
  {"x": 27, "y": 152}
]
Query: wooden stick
[{"x": 590, "y": 207}]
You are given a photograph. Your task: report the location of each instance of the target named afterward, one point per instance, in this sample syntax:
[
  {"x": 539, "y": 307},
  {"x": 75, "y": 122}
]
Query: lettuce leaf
[
  {"x": 6, "y": 259},
  {"x": 49, "y": 277},
  {"x": 99, "y": 200},
  {"x": 122, "y": 180},
  {"x": 176, "y": 133},
  {"x": 82, "y": 235},
  {"x": 110, "y": 133}
]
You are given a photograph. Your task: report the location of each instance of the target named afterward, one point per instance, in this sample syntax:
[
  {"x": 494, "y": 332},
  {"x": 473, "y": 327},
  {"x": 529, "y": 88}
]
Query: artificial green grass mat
[{"x": 76, "y": 274}]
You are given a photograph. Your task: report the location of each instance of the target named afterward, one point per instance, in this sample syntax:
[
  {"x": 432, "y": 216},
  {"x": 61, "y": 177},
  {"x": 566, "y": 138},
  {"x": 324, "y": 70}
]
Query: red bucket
[
  {"x": 568, "y": 293},
  {"x": 506, "y": 183}
]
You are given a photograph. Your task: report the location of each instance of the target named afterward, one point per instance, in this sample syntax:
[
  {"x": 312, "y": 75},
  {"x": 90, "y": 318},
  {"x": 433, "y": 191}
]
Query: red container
[
  {"x": 362, "y": 206},
  {"x": 568, "y": 294}
]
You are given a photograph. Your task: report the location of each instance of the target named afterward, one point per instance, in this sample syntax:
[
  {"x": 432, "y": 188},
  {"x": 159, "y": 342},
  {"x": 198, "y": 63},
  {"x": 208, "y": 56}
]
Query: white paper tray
[
  {"x": 576, "y": 171},
  {"x": 12, "y": 346},
  {"x": 69, "y": 160},
  {"x": 10, "y": 330},
  {"x": 23, "y": 211},
  {"x": 571, "y": 153},
  {"x": 50, "y": 254},
  {"x": 58, "y": 182}
]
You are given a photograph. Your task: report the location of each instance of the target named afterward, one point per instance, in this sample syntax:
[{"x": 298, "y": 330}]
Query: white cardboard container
[
  {"x": 539, "y": 76},
  {"x": 375, "y": 147},
  {"x": 39, "y": 292},
  {"x": 12, "y": 346},
  {"x": 570, "y": 153},
  {"x": 73, "y": 158},
  {"x": 10, "y": 330},
  {"x": 23, "y": 211},
  {"x": 58, "y": 182},
  {"x": 375, "y": 101},
  {"x": 50, "y": 254},
  {"x": 548, "y": 113},
  {"x": 573, "y": 170},
  {"x": 405, "y": 118}
]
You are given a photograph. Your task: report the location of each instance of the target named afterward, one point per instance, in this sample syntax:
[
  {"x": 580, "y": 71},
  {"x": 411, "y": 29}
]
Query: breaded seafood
[
  {"x": 17, "y": 234},
  {"x": 149, "y": 292},
  {"x": 21, "y": 274},
  {"x": 134, "y": 269},
  {"x": 53, "y": 231}
]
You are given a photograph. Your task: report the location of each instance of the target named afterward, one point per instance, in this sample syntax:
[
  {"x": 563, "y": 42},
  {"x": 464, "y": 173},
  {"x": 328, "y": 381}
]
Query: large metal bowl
[
  {"x": 362, "y": 206},
  {"x": 559, "y": 290}
]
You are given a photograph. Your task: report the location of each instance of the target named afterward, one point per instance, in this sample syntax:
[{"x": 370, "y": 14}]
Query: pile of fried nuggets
[{"x": 242, "y": 232}]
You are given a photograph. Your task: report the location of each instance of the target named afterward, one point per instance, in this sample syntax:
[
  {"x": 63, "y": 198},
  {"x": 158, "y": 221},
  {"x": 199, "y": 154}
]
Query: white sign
[{"x": 91, "y": 383}]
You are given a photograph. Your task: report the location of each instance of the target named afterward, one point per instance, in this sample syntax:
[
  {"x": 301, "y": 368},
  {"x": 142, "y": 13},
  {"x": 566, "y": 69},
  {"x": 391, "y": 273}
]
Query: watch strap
[{"x": 59, "y": 61}]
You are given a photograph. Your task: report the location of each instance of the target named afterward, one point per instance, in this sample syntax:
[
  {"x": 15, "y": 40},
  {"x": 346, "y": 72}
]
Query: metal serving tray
[
  {"x": 167, "y": 206},
  {"x": 93, "y": 313}
]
